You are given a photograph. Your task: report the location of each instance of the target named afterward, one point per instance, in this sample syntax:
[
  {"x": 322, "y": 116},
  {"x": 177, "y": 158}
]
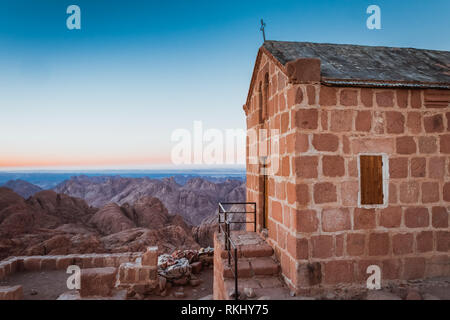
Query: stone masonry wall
[
  {"x": 319, "y": 234},
  {"x": 84, "y": 261}
]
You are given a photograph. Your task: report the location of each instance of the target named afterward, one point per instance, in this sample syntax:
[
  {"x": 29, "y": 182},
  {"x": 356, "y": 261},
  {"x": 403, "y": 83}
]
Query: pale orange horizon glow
[{"x": 22, "y": 162}]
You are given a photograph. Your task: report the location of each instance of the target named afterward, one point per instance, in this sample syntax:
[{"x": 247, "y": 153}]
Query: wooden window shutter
[{"x": 371, "y": 179}]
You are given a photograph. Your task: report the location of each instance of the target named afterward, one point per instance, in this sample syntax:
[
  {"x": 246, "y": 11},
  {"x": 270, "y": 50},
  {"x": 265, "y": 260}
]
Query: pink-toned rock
[
  {"x": 97, "y": 281},
  {"x": 11, "y": 293}
]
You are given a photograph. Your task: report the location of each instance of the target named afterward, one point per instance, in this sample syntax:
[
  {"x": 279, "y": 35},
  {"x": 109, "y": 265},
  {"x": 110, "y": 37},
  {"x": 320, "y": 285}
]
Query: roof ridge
[{"x": 353, "y": 45}]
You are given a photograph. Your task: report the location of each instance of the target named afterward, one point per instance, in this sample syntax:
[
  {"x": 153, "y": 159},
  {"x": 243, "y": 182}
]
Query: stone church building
[{"x": 364, "y": 161}]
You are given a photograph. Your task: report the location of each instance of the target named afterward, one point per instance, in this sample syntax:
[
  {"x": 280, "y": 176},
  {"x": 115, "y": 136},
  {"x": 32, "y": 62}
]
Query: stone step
[
  {"x": 250, "y": 267},
  {"x": 249, "y": 245},
  {"x": 251, "y": 251}
]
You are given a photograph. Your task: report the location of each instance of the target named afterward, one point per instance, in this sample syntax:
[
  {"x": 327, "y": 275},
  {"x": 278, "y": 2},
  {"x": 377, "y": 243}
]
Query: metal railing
[{"x": 230, "y": 245}]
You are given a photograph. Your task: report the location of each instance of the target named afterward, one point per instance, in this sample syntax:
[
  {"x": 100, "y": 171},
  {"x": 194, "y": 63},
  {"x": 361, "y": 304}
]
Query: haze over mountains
[{"x": 194, "y": 201}]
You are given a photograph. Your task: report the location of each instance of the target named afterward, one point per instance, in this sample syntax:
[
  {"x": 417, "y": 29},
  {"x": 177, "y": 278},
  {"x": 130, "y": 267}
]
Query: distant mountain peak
[{"x": 22, "y": 188}]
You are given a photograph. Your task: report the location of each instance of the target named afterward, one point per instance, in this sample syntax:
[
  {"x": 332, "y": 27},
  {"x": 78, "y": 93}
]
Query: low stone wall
[
  {"x": 142, "y": 272},
  {"x": 84, "y": 261}
]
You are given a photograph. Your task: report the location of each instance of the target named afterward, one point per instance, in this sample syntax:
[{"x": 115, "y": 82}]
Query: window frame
[{"x": 385, "y": 179}]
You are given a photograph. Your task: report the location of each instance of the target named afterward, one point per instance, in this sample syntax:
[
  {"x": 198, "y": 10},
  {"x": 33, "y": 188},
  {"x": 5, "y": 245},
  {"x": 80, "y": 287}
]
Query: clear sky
[{"x": 111, "y": 94}]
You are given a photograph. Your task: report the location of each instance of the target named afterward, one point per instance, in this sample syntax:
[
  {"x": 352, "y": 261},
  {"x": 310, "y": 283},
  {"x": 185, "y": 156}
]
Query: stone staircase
[{"x": 258, "y": 270}]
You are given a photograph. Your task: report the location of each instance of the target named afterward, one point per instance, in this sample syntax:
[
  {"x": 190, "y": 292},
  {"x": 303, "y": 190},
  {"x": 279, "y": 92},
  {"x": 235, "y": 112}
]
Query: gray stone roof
[{"x": 353, "y": 64}]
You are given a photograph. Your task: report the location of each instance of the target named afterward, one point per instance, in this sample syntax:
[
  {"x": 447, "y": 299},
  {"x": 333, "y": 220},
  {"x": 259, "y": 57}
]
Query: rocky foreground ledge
[{"x": 133, "y": 275}]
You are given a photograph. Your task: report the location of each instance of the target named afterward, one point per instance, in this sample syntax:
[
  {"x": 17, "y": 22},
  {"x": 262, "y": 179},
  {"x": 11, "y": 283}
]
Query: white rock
[
  {"x": 70, "y": 295},
  {"x": 249, "y": 292}
]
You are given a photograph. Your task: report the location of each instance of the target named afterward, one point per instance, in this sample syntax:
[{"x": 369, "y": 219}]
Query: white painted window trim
[{"x": 385, "y": 160}]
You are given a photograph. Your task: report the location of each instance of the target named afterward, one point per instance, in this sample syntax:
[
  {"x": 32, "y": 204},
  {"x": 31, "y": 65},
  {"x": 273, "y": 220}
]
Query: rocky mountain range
[
  {"x": 195, "y": 201},
  {"x": 111, "y": 214},
  {"x": 52, "y": 223},
  {"x": 22, "y": 187}
]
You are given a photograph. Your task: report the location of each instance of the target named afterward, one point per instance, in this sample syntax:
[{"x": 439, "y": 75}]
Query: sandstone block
[
  {"x": 322, "y": 246},
  {"x": 402, "y": 243},
  {"x": 355, "y": 244},
  {"x": 32, "y": 263},
  {"x": 378, "y": 244},
  {"x": 413, "y": 268},
  {"x": 62, "y": 263},
  {"x": 97, "y": 281},
  {"x": 385, "y": 98},
  {"x": 338, "y": 272},
  {"x": 11, "y": 293},
  {"x": 305, "y": 220},
  {"x": 306, "y": 166},
  {"x": 335, "y": 219},
  {"x": 363, "y": 121},
  {"x": 264, "y": 266},
  {"x": 440, "y": 217},
  {"x": 327, "y": 96},
  {"x": 333, "y": 166},
  {"x": 434, "y": 123},
  {"x": 417, "y": 217},
  {"x": 349, "y": 97},
  {"x": 324, "y": 192},
  {"x": 325, "y": 142},
  {"x": 244, "y": 269},
  {"x": 406, "y": 145},
  {"x": 391, "y": 217},
  {"x": 395, "y": 122}
]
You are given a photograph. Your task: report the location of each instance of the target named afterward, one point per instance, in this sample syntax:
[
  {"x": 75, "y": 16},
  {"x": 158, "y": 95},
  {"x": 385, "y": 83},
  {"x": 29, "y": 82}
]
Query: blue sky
[{"x": 111, "y": 94}]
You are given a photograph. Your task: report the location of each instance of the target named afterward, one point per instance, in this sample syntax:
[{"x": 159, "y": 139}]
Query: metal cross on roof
[{"x": 263, "y": 25}]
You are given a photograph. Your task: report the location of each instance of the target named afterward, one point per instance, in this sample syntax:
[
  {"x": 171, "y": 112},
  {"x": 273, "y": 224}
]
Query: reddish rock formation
[{"x": 54, "y": 224}]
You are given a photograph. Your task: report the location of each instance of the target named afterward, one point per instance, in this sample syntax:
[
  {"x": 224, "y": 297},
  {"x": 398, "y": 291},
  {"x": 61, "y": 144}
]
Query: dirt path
[{"x": 40, "y": 285}]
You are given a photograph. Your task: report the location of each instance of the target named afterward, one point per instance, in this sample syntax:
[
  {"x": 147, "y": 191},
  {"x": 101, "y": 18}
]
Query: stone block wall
[
  {"x": 320, "y": 234},
  {"x": 84, "y": 261},
  {"x": 144, "y": 271}
]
